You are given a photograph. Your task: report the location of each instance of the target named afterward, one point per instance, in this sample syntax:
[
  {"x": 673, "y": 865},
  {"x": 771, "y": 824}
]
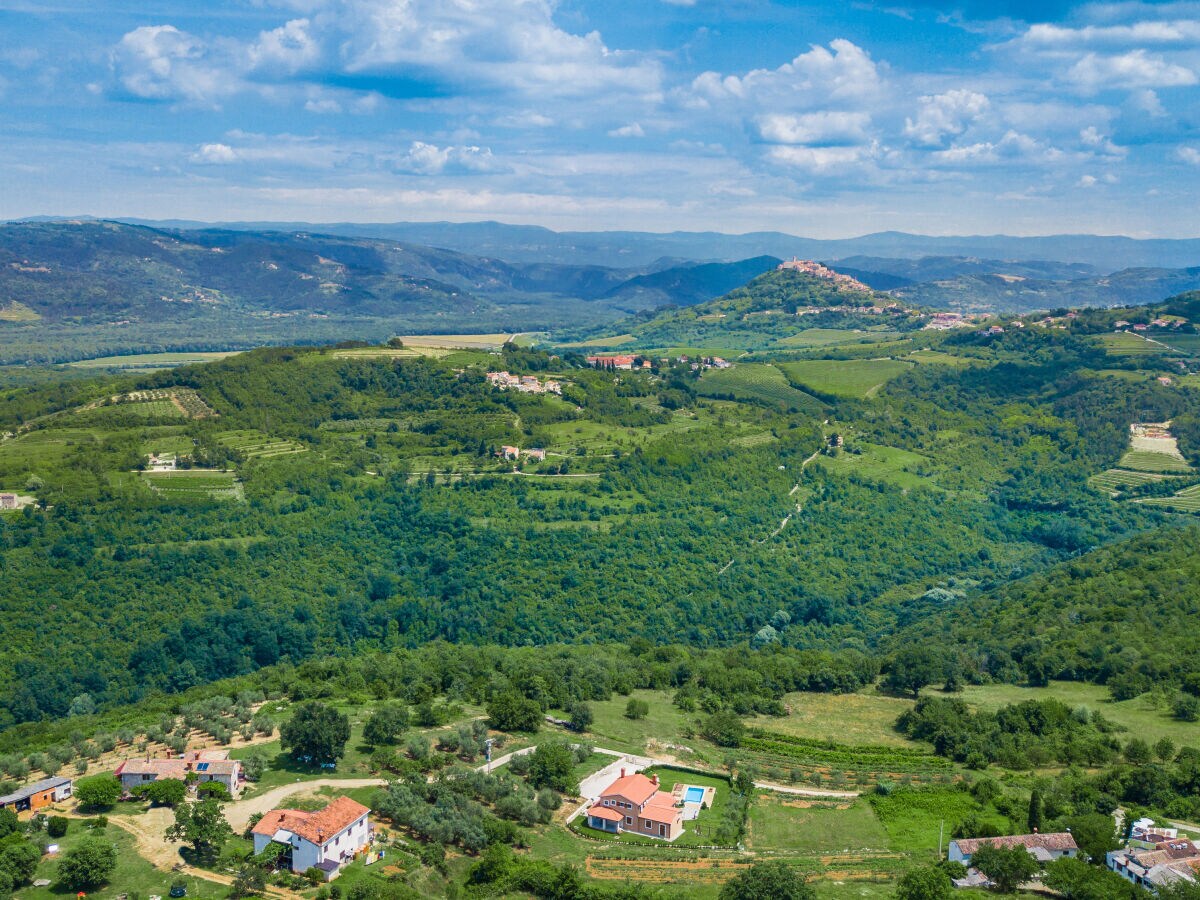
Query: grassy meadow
[{"x": 843, "y": 378}]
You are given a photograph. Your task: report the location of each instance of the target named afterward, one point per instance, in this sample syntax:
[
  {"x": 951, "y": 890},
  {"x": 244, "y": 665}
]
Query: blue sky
[{"x": 823, "y": 119}]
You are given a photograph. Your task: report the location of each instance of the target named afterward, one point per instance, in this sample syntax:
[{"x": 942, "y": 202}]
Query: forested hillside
[{"x": 325, "y": 500}]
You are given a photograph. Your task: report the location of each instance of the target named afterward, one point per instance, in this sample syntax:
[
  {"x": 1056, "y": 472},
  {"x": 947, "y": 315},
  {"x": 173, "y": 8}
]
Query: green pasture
[
  {"x": 889, "y": 464},
  {"x": 863, "y": 718},
  {"x": 1147, "y": 716},
  {"x": 759, "y": 382},
  {"x": 783, "y": 823},
  {"x": 843, "y": 378},
  {"x": 913, "y": 817},
  {"x": 610, "y": 728},
  {"x": 602, "y": 438},
  {"x": 829, "y": 337}
]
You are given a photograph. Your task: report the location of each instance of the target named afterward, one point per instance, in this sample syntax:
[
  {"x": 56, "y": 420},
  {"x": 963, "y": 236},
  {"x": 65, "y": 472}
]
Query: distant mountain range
[
  {"x": 73, "y": 288},
  {"x": 633, "y": 249}
]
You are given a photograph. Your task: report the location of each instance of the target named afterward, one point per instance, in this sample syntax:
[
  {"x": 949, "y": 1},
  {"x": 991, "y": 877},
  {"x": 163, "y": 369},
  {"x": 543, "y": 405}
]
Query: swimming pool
[{"x": 694, "y": 795}]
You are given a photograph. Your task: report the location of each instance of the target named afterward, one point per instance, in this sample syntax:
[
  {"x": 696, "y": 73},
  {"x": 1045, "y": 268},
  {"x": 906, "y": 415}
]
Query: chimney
[
  {"x": 654, "y": 778},
  {"x": 622, "y": 771}
]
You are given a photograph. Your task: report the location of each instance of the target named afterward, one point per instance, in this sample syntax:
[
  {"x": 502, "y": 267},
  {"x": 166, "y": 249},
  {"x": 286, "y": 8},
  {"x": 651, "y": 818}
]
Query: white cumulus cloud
[
  {"x": 1135, "y": 69},
  {"x": 219, "y": 154},
  {"x": 827, "y": 127},
  {"x": 843, "y": 71},
  {"x": 945, "y": 115},
  {"x": 429, "y": 159},
  {"x": 160, "y": 62}
]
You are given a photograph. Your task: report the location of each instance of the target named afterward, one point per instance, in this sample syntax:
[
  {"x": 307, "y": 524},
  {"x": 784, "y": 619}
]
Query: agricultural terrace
[
  {"x": 253, "y": 444},
  {"x": 405, "y": 352},
  {"x": 1152, "y": 461},
  {"x": 1187, "y": 500},
  {"x": 465, "y": 341},
  {"x": 757, "y": 382},
  {"x": 843, "y": 378},
  {"x": 150, "y": 362},
  {"x": 832, "y": 337},
  {"x": 1125, "y": 343},
  {"x": 194, "y": 484}
]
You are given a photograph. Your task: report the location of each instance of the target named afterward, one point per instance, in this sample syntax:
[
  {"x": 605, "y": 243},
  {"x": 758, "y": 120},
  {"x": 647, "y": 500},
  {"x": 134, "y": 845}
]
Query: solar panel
[{"x": 202, "y": 767}]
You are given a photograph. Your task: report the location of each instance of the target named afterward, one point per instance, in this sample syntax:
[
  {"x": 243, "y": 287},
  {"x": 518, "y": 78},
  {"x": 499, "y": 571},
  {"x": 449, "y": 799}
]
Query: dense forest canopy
[{"x": 351, "y": 498}]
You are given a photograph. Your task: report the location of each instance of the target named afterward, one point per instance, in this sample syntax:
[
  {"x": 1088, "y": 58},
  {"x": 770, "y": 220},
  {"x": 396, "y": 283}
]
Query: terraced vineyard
[
  {"x": 194, "y": 484},
  {"x": 1187, "y": 500},
  {"x": 1149, "y": 461},
  {"x": 1112, "y": 479},
  {"x": 253, "y": 444},
  {"x": 757, "y": 382}
]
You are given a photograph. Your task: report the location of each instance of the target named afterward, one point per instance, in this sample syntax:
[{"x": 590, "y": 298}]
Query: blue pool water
[{"x": 694, "y": 795}]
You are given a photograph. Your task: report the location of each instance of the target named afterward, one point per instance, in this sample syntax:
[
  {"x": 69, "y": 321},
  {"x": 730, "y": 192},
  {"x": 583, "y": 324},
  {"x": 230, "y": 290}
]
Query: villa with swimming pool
[{"x": 634, "y": 804}]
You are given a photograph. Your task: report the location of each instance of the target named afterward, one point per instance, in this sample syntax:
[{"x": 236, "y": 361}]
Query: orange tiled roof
[
  {"x": 604, "y": 812},
  {"x": 660, "y": 808},
  {"x": 315, "y": 827},
  {"x": 636, "y": 788},
  {"x": 1056, "y": 841}
]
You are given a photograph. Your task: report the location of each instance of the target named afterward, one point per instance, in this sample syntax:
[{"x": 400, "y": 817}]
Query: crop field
[
  {"x": 937, "y": 357},
  {"x": 829, "y": 337},
  {"x": 185, "y": 401},
  {"x": 146, "y": 409},
  {"x": 1187, "y": 500},
  {"x": 256, "y": 445},
  {"x": 461, "y": 341},
  {"x": 889, "y": 464},
  {"x": 150, "y": 362},
  {"x": 759, "y": 382},
  {"x": 1188, "y": 343},
  {"x": 843, "y": 378},
  {"x": 784, "y": 823},
  {"x": 1149, "y": 461},
  {"x": 405, "y": 352},
  {"x": 194, "y": 484},
  {"x": 843, "y": 764},
  {"x": 616, "y": 340},
  {"x": 1124, "y": 344}
]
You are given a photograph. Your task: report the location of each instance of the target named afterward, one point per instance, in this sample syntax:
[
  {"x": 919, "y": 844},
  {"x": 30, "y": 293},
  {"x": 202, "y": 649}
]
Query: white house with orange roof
[
  {"x": 635, "y": 804},
  {"x": 326, "y": 839}
]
